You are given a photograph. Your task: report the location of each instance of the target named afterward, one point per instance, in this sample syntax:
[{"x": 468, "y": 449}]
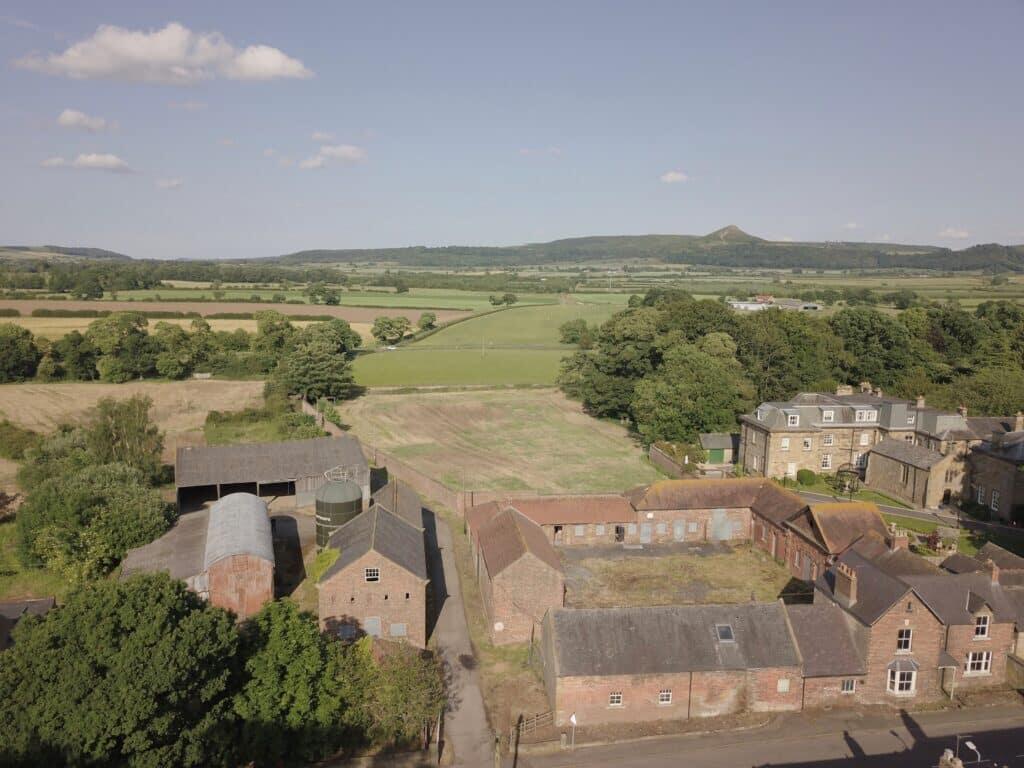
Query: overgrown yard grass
[
  {"x": 18, "y": 582},
  {"x": 501, "y": 440},
  {"x": 708, "y": 573}
]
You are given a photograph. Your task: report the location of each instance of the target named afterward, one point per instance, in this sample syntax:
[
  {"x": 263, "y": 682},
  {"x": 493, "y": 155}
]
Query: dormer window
[
  {"x": 760, "y": 415},
  {"x": 828, "y": 416},
  {"x": 724, "y": 633},
  {"x": 793, "y": 420},
  {"x": 980, "y": 627},
  {"x": 866, "y": 415},
  {"x": 910, "y": 418}
]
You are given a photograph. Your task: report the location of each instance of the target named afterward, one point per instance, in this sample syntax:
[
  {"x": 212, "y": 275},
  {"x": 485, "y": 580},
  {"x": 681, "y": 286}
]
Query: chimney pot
[
  {"x": 995, "y": 571},
  {"x": 846, "y": 583},
  {"x": 920, "y": 401},
  {"x": 1018, "y": 422}
]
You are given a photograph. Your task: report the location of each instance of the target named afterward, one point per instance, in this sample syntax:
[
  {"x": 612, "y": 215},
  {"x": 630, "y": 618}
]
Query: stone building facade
[{"x": 997, "y": 474}]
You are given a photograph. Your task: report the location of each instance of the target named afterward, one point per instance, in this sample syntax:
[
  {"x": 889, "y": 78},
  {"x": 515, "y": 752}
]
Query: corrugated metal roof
[
  {"x": 265, "y": 462},
  {"x": 508, "y": 536},
  {"x": 382, "y": 532},
  {"x": 658, "y": 640},
  {"x": 238, "y": 525}
]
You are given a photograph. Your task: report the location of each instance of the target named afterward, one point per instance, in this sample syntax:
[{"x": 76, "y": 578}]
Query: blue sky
[{"x": 479, "y": 123}]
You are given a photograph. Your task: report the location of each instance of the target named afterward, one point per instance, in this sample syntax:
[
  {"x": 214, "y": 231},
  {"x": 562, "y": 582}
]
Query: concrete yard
[{"x": 669, "y": 574}]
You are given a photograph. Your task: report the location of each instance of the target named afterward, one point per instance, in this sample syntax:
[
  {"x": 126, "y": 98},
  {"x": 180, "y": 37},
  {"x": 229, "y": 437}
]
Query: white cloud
[
  {"x": 90, "y": 162},
  {"x": 169, "y": 184},
  {"x": 673, "y": 177},
  {"x": 174, "y": 55},
  {"x": 329, "y": 153},
  {"x": 851, "y": 225},
  {"x": 321, "y": 136},
  {"x": 72, "y": 118},
  {"x": 187, "y": 106},
  {"x": 954, "y": 233}
]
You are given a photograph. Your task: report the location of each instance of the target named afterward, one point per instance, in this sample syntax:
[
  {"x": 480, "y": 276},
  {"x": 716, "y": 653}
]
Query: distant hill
[
  {"x": 726, "y": 247},
  {"x": 59, "y": 253}
]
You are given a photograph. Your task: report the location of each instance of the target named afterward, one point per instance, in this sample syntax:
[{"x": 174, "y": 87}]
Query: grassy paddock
[
  {"x": 519, "y": 326},
  {"x": 421, "y": 367}
]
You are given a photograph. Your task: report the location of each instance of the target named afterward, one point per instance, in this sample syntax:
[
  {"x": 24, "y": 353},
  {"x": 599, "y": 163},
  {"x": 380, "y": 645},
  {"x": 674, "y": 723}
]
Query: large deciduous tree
[
  {"x": 19, "y": 355},
  {"x": 134, "y": 673}
]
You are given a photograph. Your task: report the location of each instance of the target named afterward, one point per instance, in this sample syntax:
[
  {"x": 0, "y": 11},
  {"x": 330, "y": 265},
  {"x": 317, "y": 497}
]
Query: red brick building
[
  {"x": 622, "y": 665},
  {"x": 519, "y": 573},
  {"x": 583, "y": 520},
  {"x": 822, "y": 532},
  {"x": 378, "y": 584}
]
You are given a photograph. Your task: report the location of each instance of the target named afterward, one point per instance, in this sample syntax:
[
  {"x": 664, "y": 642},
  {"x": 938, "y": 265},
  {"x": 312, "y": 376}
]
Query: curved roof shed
[{"x": 238, "y": 525}]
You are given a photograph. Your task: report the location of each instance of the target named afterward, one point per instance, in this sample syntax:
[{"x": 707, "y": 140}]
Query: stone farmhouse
[
  {"x": 224, "y": 553},
  {"x": 378, "y": 583},
  {"x": 997, "y": 473},
  {"x": 919, "y": 454}
]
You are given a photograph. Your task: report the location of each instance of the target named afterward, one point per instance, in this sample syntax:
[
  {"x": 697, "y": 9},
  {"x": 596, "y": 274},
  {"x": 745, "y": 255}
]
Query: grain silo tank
[{"x": 337, "y": 502}]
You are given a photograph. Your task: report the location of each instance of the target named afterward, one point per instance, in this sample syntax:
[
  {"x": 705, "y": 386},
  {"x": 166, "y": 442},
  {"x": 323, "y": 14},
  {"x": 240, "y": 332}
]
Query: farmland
[
  {"x": 179, "y": 408},
  {"x": 501, "y": 440}
]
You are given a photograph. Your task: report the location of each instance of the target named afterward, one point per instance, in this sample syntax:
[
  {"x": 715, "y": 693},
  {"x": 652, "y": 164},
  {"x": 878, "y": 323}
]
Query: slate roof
[
  {"x": 238, "y": 524},
  {"x": 265, "y": 462},
  {"x": 877, "y": 591},
  {"x": 907, "y": 453},
  {"x": 180, "y": 552},
  {"x": 830, "y": 644},
  {"x": 510, "y": 535},
  {"x": 959, "y": 563},
  {"x": 1005, "y": 559},
  {"x": 665, "y": 639},
  {"x": 399, "y": 499},
  {"x": 892, "y": 412},
  {"x": 955, "y": 597},
  {"x": 379, "y": 531},
  {"x": 11, "y": 612},
  {"x": 758, "y": 494},
  {"x": 726, "y": 440},
  {"x": 835, "y": 526}
]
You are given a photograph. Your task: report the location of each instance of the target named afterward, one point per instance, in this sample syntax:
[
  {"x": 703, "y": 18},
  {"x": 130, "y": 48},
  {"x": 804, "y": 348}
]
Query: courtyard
[{"x": 672, "y": 574}]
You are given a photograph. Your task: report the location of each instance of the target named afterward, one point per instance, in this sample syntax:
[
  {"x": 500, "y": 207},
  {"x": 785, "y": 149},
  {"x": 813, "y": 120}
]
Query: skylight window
[{"x": 724, "y": 632}]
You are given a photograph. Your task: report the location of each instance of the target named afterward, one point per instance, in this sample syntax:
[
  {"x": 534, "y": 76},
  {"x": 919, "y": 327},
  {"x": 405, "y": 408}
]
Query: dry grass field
[
  {"x": 352, "y": 314},
  {"x": 55, "y": 327},
  {"x": 179, "y": 407},
  {"x": 501, "y": 440},
  {"x": 670, "y": 575}
]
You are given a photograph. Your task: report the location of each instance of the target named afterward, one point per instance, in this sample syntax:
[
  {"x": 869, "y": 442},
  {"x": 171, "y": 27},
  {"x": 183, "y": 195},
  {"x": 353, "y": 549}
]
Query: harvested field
[
  {"x": 55, "y": 327},
  {"x": 179, "y": 407},
  {"x": 672, "y": 574},
  {"x": 501, "y": 440},
  {"x": 352, "y": 314}
]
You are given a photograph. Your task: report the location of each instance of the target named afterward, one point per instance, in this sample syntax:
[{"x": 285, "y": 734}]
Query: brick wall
[
  {"x": 960, "y": 641},
  {"x": 828, "y": 692},
  {"x": 241, "y": 583},
  {"x": 777, "y": 689},
  {"x": 927, "y": 641},
  {"x": 347, "y": 599},
  {"x": 518, "y": 598},
  {"x": 588, "y": 697}
]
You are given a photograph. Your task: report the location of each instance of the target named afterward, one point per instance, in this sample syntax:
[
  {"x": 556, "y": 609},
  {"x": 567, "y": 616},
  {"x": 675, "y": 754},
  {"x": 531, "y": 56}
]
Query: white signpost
[{"x": 572, "y": 742}]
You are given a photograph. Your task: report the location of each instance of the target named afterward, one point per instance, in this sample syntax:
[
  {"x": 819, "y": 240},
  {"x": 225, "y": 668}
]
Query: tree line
[{"x": 675, "y": 367}]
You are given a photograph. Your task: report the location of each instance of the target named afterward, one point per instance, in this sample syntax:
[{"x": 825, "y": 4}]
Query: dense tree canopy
[{"x": 19, "y": 355}]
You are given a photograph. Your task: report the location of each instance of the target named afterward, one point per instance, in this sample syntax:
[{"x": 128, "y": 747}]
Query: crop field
[
  {"x": 501, "y": 440},
  {"x": 416, "y": 366},
  {"x": 352, "y": 314},
  {"x": 179, "y": 407},
  {"x": 519, "y": 327}
]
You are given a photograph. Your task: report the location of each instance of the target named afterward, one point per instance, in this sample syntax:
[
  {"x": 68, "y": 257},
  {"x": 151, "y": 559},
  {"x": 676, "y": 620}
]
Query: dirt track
[{"x": 352, "y": 314}]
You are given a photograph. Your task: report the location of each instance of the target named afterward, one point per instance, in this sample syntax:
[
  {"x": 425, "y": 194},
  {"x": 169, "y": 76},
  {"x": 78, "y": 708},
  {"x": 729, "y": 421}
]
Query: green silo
[{"x": 337, "y": 502}]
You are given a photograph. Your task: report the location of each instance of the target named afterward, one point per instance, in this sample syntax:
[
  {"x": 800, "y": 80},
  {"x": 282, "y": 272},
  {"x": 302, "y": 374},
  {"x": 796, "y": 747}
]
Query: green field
[
  {"x": 422, "y": 367},
  {"x": 517, "y": 327}
]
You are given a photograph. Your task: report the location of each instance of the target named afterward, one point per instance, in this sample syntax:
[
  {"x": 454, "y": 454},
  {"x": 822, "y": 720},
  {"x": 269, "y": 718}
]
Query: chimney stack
[
  {"x": 962, "y": 410},
  {"x": 877, "y": 392},
  {"x": 898, "y": 539},
  {"x": 844, "y": 389},
  {"x": 995, "y": 571},
  {"x": 865, "y": 387},
  {"x": 920, "y": 401},
  {"x": 846, "y": 583},
  {"x": 1018, "y": 422}
]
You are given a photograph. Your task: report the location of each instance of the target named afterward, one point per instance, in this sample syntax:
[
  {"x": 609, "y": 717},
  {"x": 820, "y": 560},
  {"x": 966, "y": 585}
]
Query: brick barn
[
  {"x": 378, "y": 583},
  {"x": 626, "y": 665},
  {"x": 822, "y": 532},
  {"x": 571, "y": 520},
  {"x": 224, "y": 553},
  {"x": 519, "y": 573}
]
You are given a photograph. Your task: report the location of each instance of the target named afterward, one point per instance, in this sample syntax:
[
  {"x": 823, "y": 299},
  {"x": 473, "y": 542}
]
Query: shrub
[
  {"x": 15, "y": 440},
  {"x": 9, "y": 312},
  {"x": 806, "y": 477}
]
